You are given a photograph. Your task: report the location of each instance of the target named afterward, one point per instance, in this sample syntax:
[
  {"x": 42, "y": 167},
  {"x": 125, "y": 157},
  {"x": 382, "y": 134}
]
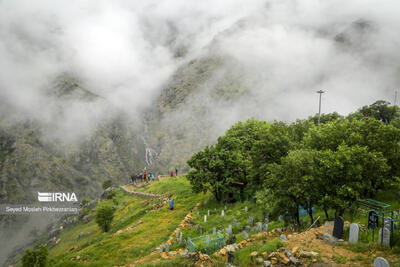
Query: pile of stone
[
  {"x": 284, "y": 256},
  {"x": 227, "y": 249},
  {"x": 201, "y": 260},
  {"x": 187, "y": 221},
  {"x": 129, "y": 228}
]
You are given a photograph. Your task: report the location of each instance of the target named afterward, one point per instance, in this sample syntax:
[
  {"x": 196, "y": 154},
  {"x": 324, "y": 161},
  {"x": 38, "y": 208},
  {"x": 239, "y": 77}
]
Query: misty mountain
[
  {"x": 33, "y": 161},
  {"x": 124, "y": 86}
]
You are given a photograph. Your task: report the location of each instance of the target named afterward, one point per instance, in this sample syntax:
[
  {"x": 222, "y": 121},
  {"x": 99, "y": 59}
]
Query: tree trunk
[
  {"x": 341, "y": 212},
  {"x": 326, "y": 213},
  {"x": 297, "y": 215},
  {"x": 310, "y": 213}
]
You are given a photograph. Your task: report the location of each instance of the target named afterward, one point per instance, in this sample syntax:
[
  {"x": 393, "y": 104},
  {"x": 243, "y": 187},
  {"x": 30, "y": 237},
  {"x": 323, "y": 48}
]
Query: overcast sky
[{"x": 125, "y": 51}]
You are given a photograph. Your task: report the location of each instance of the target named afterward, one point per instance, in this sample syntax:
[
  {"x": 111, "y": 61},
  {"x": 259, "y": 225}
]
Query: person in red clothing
[
  {"x": 144, "y": 176},
  {"x": 172, "y": 174}
]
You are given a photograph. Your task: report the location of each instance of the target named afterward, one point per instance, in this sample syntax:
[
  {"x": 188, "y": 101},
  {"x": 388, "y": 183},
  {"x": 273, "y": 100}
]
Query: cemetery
[{"x": 314, "y": 202}]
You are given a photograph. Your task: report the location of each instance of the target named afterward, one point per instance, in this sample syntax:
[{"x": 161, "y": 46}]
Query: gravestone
[
  {"x": 265, "y": 227},
  {"x": 201, "y": 229},
  {"x": 214, "y": 231},
  {"x": 208, "y": 213},
  {"x": 245, "y": 235},
  {"x": 338, "y": 228},
  {"x": 259, "y": 227},
  {"x": 251, "y": 221},
  {"x": 177, "y": 234},
  {"x": 225, "y": 207},
  {"x": 280, "y": 218},
  {"x": 230, "y": 257},
  {"x": 386, "y": 236},
  {"x": 205, "y": 218},
  {"x": 254, "y": 228},
  {"x": 381, "y": 262},
  {"x": 266, "y": 220},
  {"x": 227, "y": 232},
  {"x": 247, "y": 228},
  {"x": 388, "y": 222},
  {"x": 222, "y": 213},
  {"x": 372, "y": 219},
  {"x": 246, "y": 209},
  {"x": 235, "y": 222},
  {"x": 198, "y": 213},
  {"x": 230, "y": 228},
  {"x": 166, "y": 248},
  {"x": 180, "y": 237},
  {"x": 353, "y": 233}
]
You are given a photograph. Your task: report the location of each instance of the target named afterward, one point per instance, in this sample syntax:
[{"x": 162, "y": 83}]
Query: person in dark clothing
[
  {"x": 133, "y": 178},
  {"x": 141, "y": 177},
  {"x": 176, "y": 172}
]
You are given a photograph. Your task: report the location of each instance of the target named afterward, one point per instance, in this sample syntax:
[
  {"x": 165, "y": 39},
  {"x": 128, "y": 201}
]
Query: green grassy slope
[
  {"x": 102, "y": 249},
  {"x": 154, "y": 226}
]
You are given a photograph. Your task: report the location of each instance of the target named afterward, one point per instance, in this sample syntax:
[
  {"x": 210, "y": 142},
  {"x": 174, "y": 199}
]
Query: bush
[
  {"x": 104, "y": 217},
  {"x": 35, "y": 258},
  {"x": 107, "y": 184},
  {"x": 85, "y": 201},
  {"x": 111, "y": 194}
]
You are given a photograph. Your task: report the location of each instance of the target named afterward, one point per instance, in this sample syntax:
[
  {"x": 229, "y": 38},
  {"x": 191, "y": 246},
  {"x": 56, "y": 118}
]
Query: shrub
[
  {"x": 111, "y": 194},
  {"x": 85, "y": 201},
  {"x": 35, "y": 258},
  {"x": 104, "y": 217},
  {"x": 107, "y": 183}
]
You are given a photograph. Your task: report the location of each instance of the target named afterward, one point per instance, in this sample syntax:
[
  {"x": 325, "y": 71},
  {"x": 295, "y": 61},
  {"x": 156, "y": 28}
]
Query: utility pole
[
  {"x": 395, "y": 98},
  {"x": 320, "y": 92}
]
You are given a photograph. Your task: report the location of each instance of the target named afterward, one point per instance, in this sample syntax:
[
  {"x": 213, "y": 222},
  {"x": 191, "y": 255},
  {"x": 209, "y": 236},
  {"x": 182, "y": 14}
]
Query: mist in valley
[{"x": 179, "y": 73}]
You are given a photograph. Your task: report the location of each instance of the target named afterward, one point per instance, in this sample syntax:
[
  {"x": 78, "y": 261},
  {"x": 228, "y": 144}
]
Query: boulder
[
  {"x": 308, "y": 254},
  {"x": 86, "y": 219},
  {"x": 267, "y": 263},
  {"x": 328, "y": 238},
  {"x": 54, "y": 233},
  {"x": 260, "y": 260},
  {"x": 223, "y": 252},
  {"x": 283, "y": 237},
  {"x": 254, "y": 254},
  {"x": 294, "y": 260}
]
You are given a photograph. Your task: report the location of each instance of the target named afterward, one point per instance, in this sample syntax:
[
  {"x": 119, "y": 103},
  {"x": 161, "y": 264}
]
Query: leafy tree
[
  {"x": 35, "y": 258},
  {"x": 104, "y": 217},
  {"x": 325, "y": 178},
  {"x": 224, "y": 168},
  {"x": 380, "y": 110},
  {"x": 107, "y": 184},
  {"x": 216, "y": 170},
  {"x": 274, "y": 144},
  {"x": 325, "y": 118},
  {"x": 349, "y": 174},
  {"x": 375, "y": 135}
]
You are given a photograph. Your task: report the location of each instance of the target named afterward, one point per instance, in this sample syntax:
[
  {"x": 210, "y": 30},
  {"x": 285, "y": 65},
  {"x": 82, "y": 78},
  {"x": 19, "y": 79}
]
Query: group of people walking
[
  {"x": 147, "y": 176},
  {"x": 142, "y": 177}
]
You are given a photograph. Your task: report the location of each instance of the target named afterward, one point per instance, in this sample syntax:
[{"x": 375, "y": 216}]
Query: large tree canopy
[{"x": 330, "y": 165}]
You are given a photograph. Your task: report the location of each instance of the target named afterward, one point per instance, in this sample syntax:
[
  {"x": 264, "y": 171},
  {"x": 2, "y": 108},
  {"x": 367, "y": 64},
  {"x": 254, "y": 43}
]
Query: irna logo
[{"x": 54, "y": 197}]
